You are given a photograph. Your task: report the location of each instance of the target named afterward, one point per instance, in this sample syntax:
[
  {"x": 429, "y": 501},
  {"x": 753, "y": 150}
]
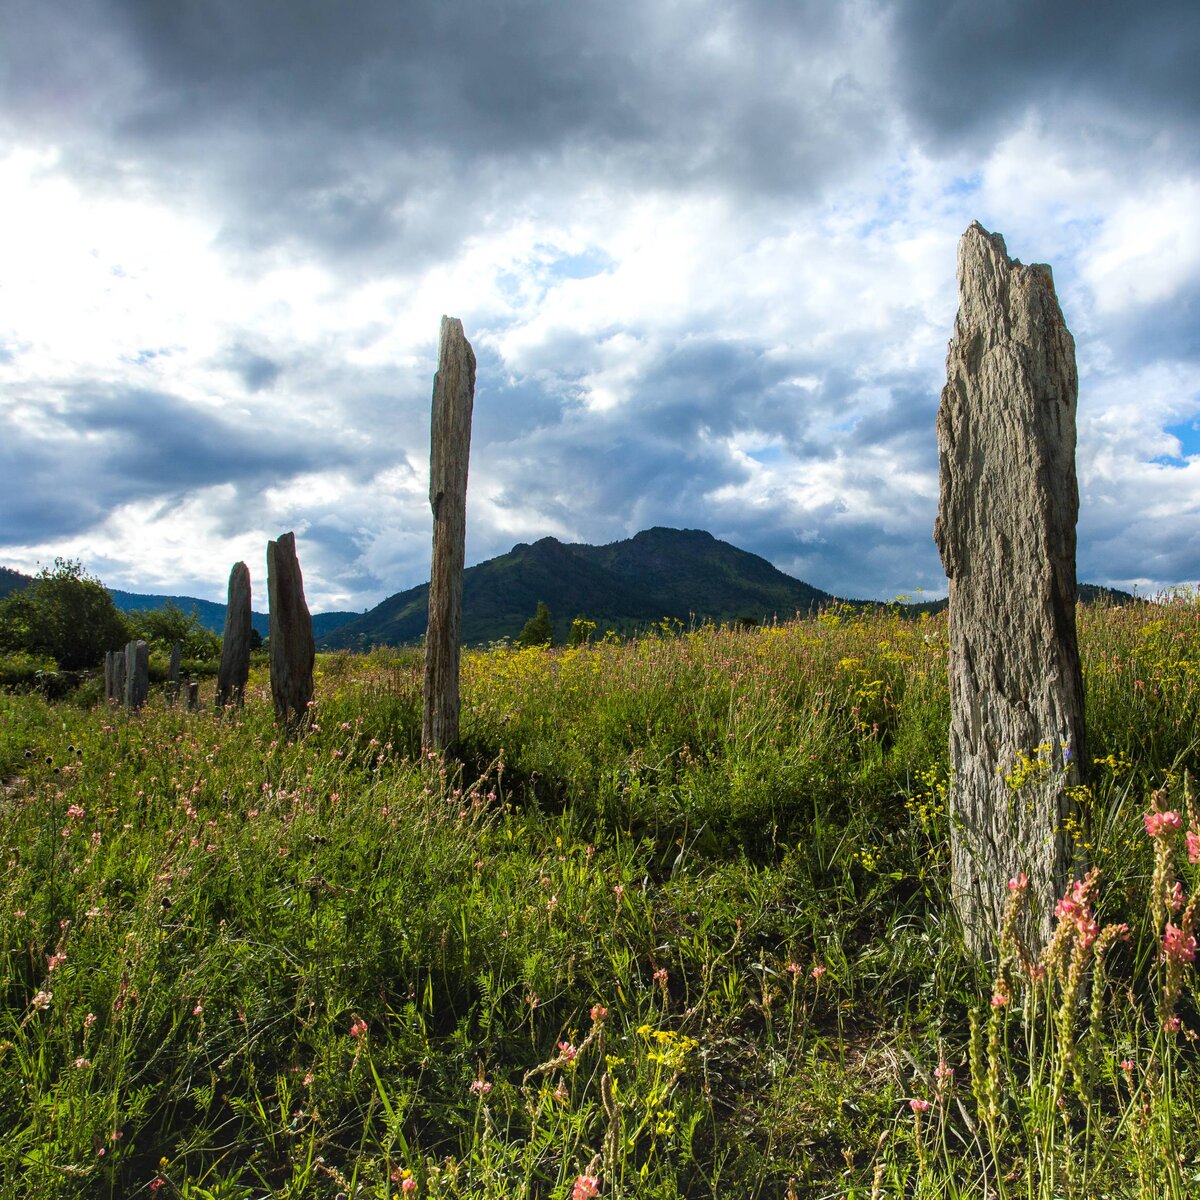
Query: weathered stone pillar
[
  {"x": 193, "y": 695},
  {"x": 293, "y": 651},
  {"x": 114, "y": 676},
  {"x": 1006, "y": 533},
  {"x": 173, "y": 674},
  {"x": 137, "y": 674},
  {"x": 235, "y": 642},
  {"x": 453, "y": 402}
]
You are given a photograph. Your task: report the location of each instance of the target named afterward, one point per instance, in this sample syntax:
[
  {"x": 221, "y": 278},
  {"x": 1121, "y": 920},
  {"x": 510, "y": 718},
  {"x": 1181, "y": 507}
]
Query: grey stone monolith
[
  {"x": 114, "y": 676},
  {"x": 137, "y": 674},
  {"x": 450, "y": 446},
  {"x": 1006, "y": 533},
  {"x": 235, "y": 642},
  {"x": 293, "y": 651},
  {"x": 193, "y": 695}
]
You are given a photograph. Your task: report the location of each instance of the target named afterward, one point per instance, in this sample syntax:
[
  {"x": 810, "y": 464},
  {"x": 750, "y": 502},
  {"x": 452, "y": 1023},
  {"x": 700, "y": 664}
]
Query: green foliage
[
  {"x": 64, "y": 614},
  {"x": 681, "y": 925},
  {"x": 162, "y": 627},
  {"x": 539, "y": 629}
]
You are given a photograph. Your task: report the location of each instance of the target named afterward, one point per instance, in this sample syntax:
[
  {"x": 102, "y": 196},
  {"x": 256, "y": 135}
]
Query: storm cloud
[{"x": 704, "y": 252}]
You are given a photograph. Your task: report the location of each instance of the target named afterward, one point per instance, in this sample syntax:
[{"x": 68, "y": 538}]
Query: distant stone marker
[
  {"x": 1006, "y": 533},
  {"x": 235, "y": 642},
  {"x": 137, "y": 675},
  {"x": 114, "y": 676},
  {"x": 450, "y": 447},
  {"x": 293, "y": 650}
]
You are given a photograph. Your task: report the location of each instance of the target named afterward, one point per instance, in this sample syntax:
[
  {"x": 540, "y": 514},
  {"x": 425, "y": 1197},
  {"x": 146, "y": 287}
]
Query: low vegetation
[{"x": 676, "y": 925}]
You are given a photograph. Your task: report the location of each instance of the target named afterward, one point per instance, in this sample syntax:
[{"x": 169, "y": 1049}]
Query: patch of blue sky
[
  {"x": 767, "y": 455},
  {"x": 963, "y": 185},
  {"x": 580, "y": 266},
  {"x": 1187, "y": 434}
]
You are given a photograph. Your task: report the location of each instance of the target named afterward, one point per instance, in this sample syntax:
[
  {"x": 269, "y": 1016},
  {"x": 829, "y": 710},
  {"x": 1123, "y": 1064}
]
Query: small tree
[
  {"x": 64, "y": 614},
  {"x": 162, "y": 627},
  {"x": 539, "y": 629},
  {"x": 581, "y": 632}
]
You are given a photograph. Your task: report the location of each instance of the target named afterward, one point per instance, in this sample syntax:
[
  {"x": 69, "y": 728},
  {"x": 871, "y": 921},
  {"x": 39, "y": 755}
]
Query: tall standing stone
[
  {"x": 235, "y": 641},
  {"x": 453, "y": 402},
  {"x": 137, "y": 674},
  {"x": 1006, "y": 533},
  {"x": 293, "y": 651}
]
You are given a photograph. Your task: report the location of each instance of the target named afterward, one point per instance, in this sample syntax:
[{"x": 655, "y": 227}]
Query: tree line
[{"x": 67, "y": 615}]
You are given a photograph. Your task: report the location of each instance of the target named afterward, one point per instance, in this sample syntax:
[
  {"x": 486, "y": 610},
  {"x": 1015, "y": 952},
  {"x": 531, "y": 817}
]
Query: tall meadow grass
[{"x": 675, "y": 923}]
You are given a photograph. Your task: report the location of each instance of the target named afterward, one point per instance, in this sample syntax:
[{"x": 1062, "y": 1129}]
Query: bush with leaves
[{"x": 64, "y": 614}]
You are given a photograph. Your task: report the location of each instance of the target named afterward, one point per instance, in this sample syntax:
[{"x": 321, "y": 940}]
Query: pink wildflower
[
  {"x": 660, "y": 977},
  {"x": 481, "y": 1087},
  {"x": 943, "y": 1072},
  {"x": 1126, "y": 1065},
  {"x": 1176, "y": 901},
  {"x": 76, "y": 813},
  {"x": 599, "y": 1012},
  {"x": 358, "y": 1027},
  {"x": 818, "y": 971},
  {"x": 80, "y": 1063},
  {"x": 1019, "y": 884},
  {"x": 1157, "y": 823},
  {"x": 567, "y": 1051},
  {"x": 198, "y": 1009},
  {"x": 55, "y": 961},
  {"x": 1193, "y": 846},
  {"x": 999, "y": 1000},
  {"x": 1177, "y": 947},
  {"x": 586, "y": 1187},
  {"x": 408, "y": 1186},
  {"x": 1172, "y": 1024},
  {"x": 918, "y": 1105}
]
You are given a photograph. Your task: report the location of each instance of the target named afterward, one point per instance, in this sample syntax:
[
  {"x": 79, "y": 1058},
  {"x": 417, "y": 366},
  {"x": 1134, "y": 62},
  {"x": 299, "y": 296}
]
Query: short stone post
[
  {"x": 235, "y": 642},
  {"x": 193, "y": 695},
  {"x": 173, "y": 674},
  {"x": 293, "y": 651},
  {"x": 137, "y": 675},
  {"x": 1006, "y": 533},
  {"x": 453, "y": 402}
]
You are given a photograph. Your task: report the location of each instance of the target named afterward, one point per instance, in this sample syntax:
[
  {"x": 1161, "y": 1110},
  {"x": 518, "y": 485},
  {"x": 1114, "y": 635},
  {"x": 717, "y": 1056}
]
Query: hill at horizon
[{"x": 659, "y": 574}]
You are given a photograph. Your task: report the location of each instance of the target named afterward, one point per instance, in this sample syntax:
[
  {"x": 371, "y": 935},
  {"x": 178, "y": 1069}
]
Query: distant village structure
[{"x": 1006, "y": 533}]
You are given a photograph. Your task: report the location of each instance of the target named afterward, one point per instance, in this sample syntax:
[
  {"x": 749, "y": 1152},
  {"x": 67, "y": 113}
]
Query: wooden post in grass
[
  {"x": 1006, "y": 533},
  {"x": 173, "y": 673},
  {"x": 450, "y": 447},
  {"x": 293, "y": 651},
  {"x": 235, "y": 641}
]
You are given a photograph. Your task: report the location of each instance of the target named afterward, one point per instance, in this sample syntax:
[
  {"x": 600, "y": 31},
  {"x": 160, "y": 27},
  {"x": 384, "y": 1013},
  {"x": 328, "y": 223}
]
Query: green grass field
[{"x": 676, "y": 924}]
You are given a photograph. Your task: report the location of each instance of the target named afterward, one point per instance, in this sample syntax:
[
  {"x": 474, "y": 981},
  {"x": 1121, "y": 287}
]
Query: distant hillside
[
  {"x": 676, "y": 574},
  {"x": 212, "y": 614},
  {"x": 11, "y": 581},
  {"x": 685, "y": 575}
]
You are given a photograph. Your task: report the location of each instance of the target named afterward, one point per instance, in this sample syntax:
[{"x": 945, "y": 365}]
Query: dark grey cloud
[
  {"x": 397, "y": 125},
  {"x": 96, "y": 448},
  {"x": 1109, "y": 73}
]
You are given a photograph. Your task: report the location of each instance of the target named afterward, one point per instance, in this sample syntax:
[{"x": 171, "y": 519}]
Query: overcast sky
[{"x": 704, "y": 251}]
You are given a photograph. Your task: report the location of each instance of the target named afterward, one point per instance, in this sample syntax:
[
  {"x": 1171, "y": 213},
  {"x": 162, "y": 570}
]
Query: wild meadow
[{"x": 674, "y": 923}]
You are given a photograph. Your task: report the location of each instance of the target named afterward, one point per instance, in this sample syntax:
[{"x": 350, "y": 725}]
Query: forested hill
[{"x": 673, "y": 574}]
